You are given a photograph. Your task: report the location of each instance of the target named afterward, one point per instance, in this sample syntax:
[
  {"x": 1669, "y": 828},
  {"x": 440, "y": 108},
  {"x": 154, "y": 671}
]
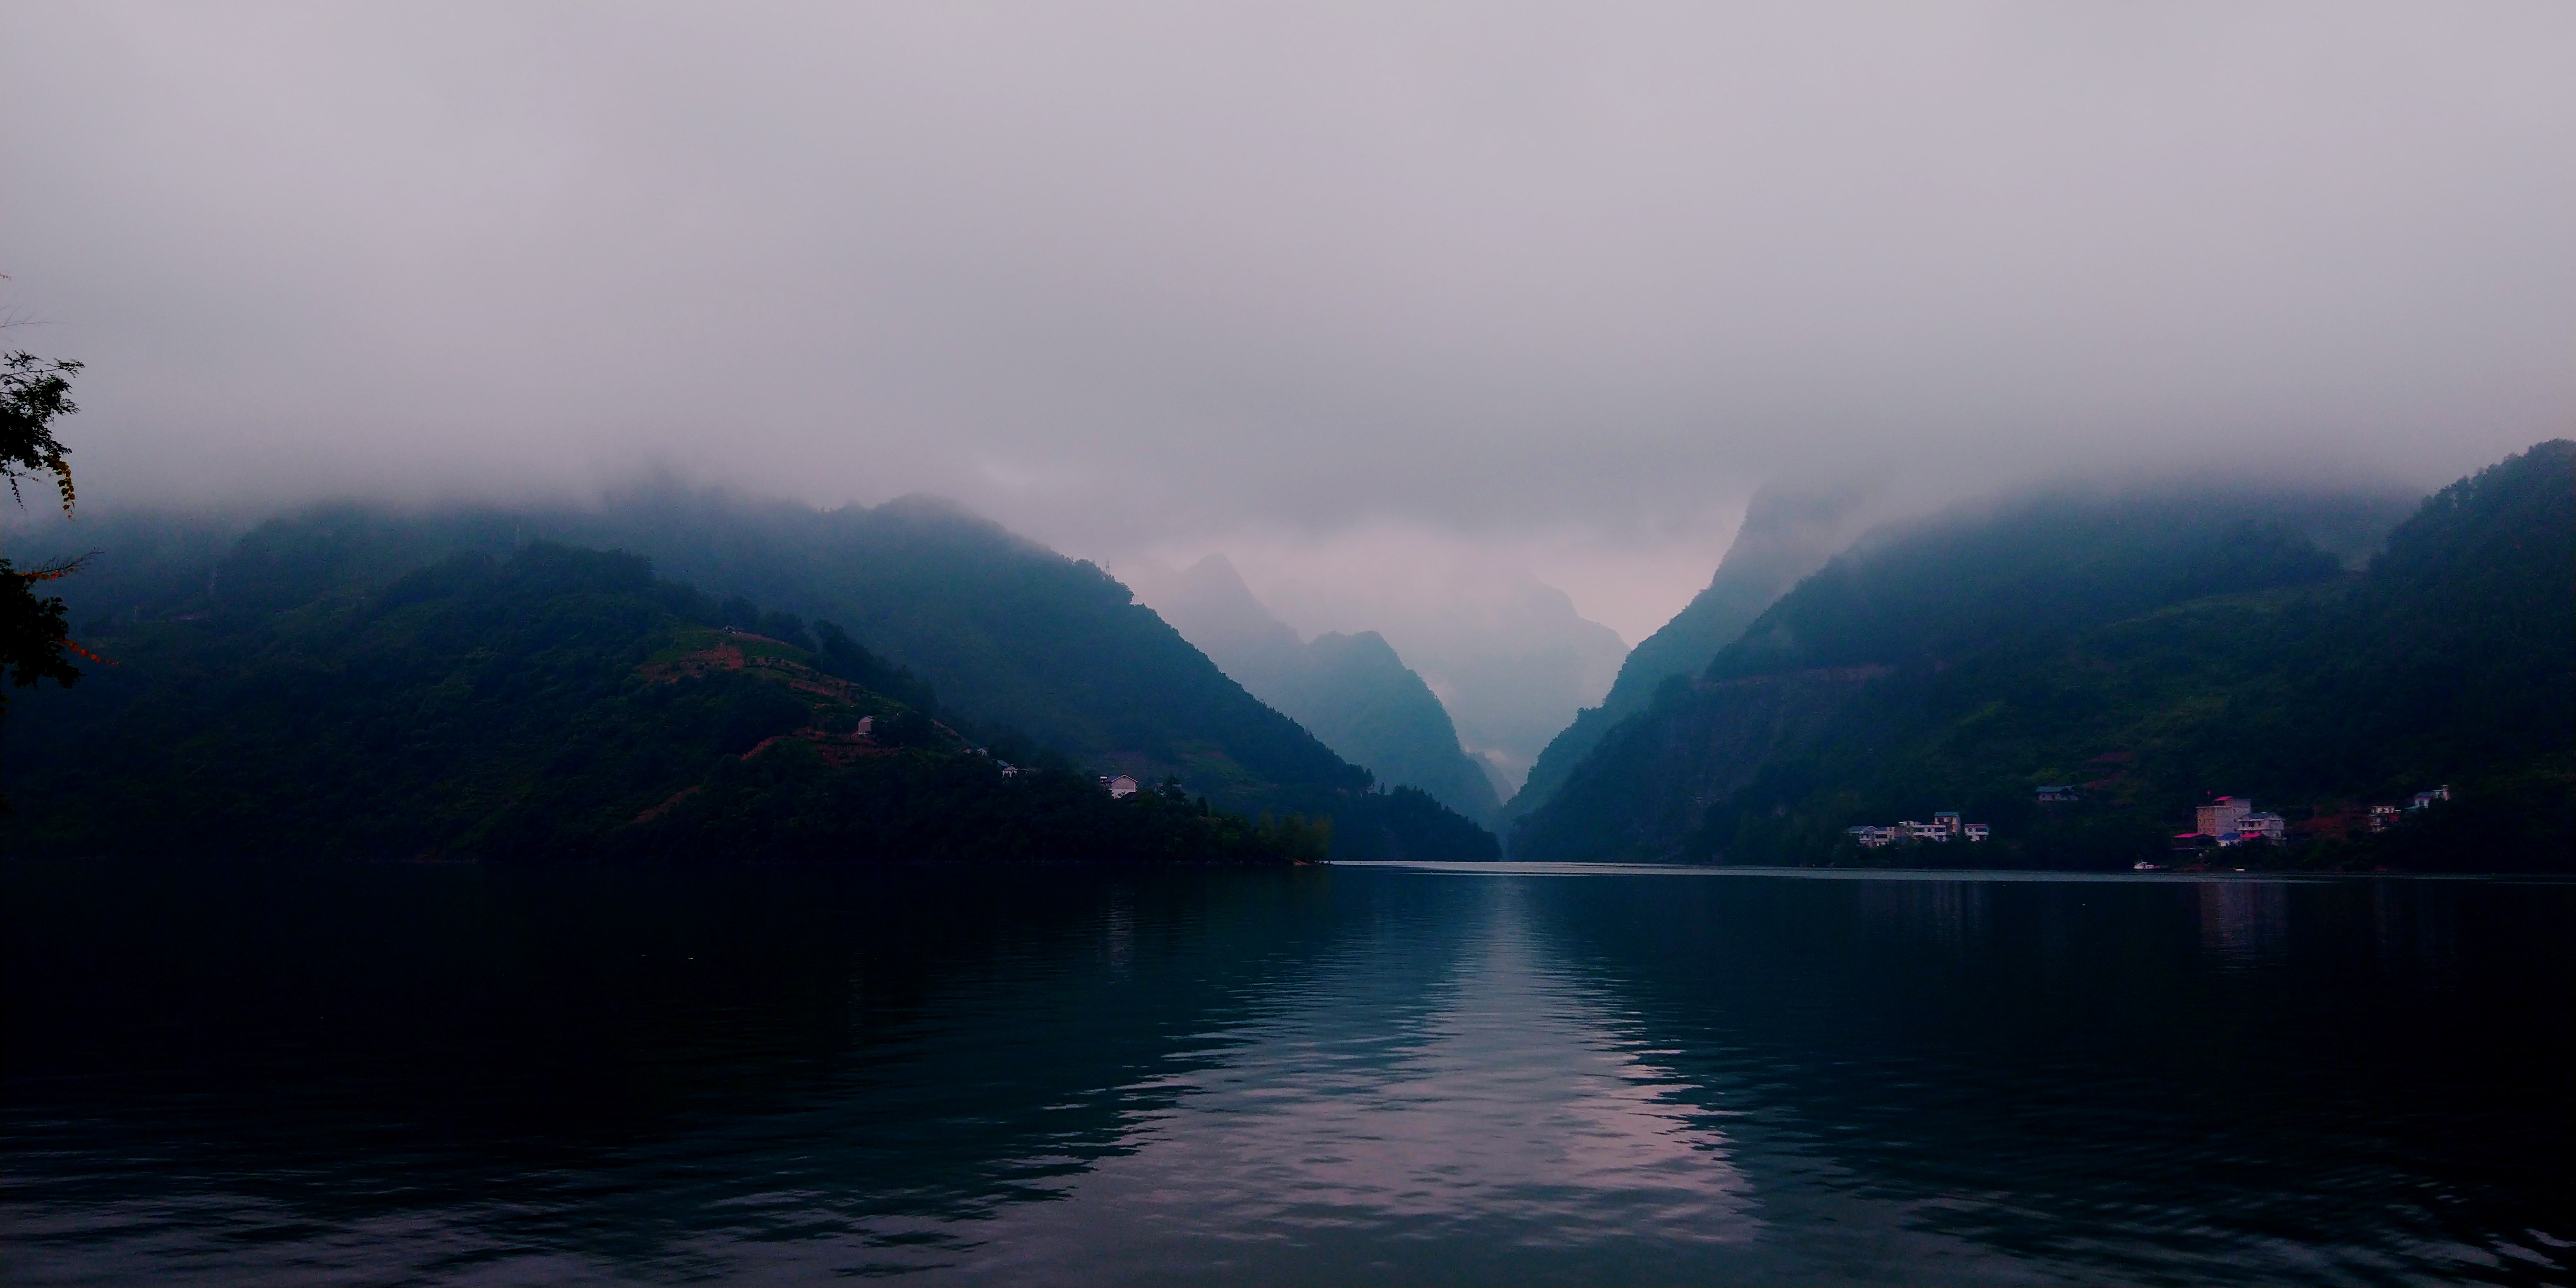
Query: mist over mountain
[
  {"x": 1352, "y": 691},
  {"x": 1509, "y": 656},
  {"x": 2154, "y": 646},
  {"x": 1124, "y": 277},
  {"x": 1143, "y": 283},
  {"x": 1277, "y": 641}
]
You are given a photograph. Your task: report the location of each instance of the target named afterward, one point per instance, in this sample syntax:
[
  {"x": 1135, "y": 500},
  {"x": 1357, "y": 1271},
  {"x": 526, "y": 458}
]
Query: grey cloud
[{"x": 1122, "y": 275}]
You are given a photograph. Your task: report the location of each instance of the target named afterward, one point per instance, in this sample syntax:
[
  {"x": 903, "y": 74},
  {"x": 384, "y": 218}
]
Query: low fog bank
[
  {"x": 1297, "y": 282},
  {"x": 1511, "y": 656}
]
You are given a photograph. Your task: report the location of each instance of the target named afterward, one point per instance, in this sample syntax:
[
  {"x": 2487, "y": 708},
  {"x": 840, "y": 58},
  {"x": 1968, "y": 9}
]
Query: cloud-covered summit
[{"x": 1123, "y": 275}]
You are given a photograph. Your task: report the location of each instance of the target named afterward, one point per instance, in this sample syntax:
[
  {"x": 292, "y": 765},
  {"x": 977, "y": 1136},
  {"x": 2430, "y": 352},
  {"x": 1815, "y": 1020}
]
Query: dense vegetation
[
  {"x": 557, "y": 704},
  {"x": 35, "y": 645},
  {"x": 1005, "y": 633},
  {"x": 1789, "y": 534},
  {"x": 2152, "y": 654},
  {"x": 1010, "y": 643}
]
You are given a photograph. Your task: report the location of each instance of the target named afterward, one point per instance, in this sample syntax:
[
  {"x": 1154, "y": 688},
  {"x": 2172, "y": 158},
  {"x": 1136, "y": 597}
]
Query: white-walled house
[{"x": 1944, "y": 828}]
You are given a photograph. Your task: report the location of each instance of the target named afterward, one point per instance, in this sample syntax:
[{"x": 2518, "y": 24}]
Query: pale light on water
[{"x": 416, "y": 1075}]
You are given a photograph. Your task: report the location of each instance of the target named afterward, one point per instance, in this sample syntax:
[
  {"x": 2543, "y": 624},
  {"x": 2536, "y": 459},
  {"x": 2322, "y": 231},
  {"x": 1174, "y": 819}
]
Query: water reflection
[
  {"x": 1446, "y": 1090},
  {"x": 2244, "y": 923},
  {"x": 2416, "y": 931},
  {"x": 1944, "y": 915},
  {"x": 635, "y": 1074},
  {"x": 1382, "y": 1076},
  {"x": 2083, "y": 1076}
]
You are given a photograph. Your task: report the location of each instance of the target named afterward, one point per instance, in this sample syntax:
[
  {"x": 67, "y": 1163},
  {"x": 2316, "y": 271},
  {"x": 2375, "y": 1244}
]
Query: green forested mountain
[
  {"x": 1786, "y": 534},
  {"x": 1009, "y": 634},
  {"x": 1351, "y": 691},
  {"x": 2152, "y": 648},
  {"x": 1019, "y": 646},
  {"x": 559, "y": 704}
]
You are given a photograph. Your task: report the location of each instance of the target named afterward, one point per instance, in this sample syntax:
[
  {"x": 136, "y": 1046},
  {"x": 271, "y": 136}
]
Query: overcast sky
[{"x": 1549, "y": 288}]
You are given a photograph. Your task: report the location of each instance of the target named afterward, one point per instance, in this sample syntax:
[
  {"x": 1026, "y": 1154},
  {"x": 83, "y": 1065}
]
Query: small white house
[
  {"x": 1944, "y": 827},
  {"x": 1120, "y": 786}
]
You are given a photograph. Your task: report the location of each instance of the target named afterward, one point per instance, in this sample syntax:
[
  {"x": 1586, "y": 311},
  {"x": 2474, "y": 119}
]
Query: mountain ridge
[
  {"x": 1351, "y": 690},
  {"x": 1026, "y": 647},
  {"x": 2162, "y": 647}
]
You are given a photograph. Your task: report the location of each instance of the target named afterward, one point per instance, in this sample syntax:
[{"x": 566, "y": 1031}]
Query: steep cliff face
[
  {"x": 1642, "y": 791},
  {"x": 1787, "y": 534}
]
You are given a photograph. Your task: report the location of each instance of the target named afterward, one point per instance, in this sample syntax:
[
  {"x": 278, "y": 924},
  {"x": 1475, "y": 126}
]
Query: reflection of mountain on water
[
  {"x": 2244, "y": 923},
  {"x": 547, "y": 1059},
  {"x": 427, "y": 1073},
  {"x": 1437, "y": 1080},
  {"x": 2078, "y": 1075},
  {"x": 1950, "y": 914}
]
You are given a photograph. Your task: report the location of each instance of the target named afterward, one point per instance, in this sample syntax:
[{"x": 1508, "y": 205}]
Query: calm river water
[{"x": 412, "y": 1074}]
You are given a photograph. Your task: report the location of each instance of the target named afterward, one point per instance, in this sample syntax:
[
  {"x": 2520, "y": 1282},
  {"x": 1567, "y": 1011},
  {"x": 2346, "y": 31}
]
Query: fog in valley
[{"x": 1474, "y": 325}]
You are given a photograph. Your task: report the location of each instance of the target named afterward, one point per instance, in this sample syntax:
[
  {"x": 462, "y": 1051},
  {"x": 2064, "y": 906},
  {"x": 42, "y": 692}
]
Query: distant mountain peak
[
  {"x": 1353, "y": 691},
  {"x": 1212, "y": 584},
  {"x": 1209, "y": 604}
]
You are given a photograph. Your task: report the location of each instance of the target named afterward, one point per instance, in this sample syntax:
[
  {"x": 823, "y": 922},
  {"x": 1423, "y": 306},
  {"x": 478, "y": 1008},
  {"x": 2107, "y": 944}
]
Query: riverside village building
[
  {"x": 2233, "y": 820},
  {"x": 1944, "y": 828}
]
